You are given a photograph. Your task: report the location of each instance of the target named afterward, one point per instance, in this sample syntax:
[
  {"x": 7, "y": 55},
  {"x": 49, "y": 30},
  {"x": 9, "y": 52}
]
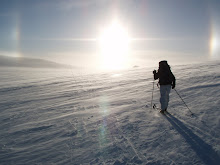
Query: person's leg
[
  {"x": 167, "y": 98},
  {"x": 163, "y": 96}
]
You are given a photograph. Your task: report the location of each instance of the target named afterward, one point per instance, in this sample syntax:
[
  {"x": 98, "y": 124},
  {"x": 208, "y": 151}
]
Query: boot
[{"x": 162, "y": 111}]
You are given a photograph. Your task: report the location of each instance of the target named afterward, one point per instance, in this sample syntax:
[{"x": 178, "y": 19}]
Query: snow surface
[{"x": 62, "y": 117}]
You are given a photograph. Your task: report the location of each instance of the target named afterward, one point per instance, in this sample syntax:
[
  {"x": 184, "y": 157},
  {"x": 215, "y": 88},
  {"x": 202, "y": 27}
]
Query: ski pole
[
  {"x": 152, "y": 95},
  {"x": 183, "y": 101}
]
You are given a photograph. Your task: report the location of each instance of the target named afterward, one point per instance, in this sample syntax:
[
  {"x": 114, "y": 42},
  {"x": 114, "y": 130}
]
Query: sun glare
[{"x": 114, "y": 47}]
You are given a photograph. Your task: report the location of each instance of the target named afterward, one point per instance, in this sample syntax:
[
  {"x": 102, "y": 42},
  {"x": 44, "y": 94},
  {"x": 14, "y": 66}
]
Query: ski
[
  {"x": 160, "y": 110},
  {"x": 157, "y": 108}
]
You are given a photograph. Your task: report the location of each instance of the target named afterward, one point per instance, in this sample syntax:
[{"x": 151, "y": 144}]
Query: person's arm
[
  {"x": 156, "y": 74},
  {"x": 173, "y": 82}
]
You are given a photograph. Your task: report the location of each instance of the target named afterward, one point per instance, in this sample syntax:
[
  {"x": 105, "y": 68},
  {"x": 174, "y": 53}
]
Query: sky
[{"x": 111, "y": 34}]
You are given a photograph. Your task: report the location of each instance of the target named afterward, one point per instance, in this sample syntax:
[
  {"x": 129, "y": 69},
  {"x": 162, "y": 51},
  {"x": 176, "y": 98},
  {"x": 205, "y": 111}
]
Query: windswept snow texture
[{"x": 60, "y": 117}]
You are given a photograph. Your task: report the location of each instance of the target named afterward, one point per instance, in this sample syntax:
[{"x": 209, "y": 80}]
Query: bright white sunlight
[{"x": 114, "y": 47}]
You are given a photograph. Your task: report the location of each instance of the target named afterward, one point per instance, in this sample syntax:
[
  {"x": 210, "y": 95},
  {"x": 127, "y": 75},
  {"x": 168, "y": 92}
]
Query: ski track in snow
[{"x": 67, "y": 118}]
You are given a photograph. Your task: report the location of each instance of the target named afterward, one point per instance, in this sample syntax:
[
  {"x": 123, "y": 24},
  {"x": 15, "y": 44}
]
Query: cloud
[
  {"x": 71, "y": 4},
  {"x": 10, "y": 53}
]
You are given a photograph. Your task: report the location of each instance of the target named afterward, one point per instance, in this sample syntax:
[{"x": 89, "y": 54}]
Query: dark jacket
[{"x": 165, "y": 76}]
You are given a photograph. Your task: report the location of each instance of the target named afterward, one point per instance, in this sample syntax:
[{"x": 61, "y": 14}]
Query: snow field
[{"x": 62, "y": 117}]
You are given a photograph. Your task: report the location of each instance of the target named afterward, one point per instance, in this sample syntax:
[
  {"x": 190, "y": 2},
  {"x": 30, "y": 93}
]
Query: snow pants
[{"x": 164, "y": 96}]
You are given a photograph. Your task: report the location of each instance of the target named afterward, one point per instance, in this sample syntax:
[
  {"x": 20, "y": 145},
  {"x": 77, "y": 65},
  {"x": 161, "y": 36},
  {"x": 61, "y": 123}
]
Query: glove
[
  {"x": 154, "y": 72},
  {"x": 173, "y": 85}
]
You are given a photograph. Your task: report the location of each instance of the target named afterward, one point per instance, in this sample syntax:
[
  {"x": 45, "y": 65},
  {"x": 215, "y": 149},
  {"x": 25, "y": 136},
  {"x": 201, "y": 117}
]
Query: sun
[{"x": 114, "y": 47}]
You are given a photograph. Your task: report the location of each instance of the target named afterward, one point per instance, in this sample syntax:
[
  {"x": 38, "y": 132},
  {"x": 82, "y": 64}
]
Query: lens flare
[{"x": 103, "y": 129}]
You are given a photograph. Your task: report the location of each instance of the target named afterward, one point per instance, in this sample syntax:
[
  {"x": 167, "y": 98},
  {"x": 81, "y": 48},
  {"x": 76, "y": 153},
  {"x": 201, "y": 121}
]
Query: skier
[{"x": 166, "y": 81}]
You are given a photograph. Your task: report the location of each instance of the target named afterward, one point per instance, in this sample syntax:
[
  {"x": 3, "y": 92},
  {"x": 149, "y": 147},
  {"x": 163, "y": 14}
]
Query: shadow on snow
[{"x": 203, "y": 150}]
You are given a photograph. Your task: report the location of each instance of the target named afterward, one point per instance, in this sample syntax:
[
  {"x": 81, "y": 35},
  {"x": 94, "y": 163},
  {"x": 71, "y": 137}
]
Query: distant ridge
[{"x": 6, "y": 61}]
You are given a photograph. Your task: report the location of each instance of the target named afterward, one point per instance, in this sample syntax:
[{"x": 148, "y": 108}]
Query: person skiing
[{"x": 166, "y": 81}]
